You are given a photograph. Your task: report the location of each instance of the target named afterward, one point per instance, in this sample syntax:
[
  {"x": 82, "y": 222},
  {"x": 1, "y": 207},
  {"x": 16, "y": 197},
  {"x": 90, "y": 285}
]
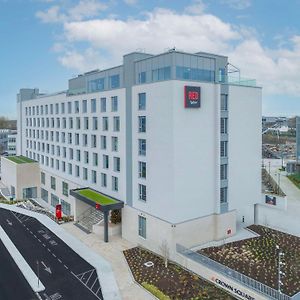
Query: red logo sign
[{"x": 192, "y": 96}]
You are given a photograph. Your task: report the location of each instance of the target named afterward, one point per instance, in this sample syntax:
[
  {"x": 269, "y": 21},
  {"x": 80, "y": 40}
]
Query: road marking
[
  {"x": 89, "y": 277},
  {"x": 66, "y": 267},
  {"x": 47, "y": 269},
  {"x": 9, "y": 222},
  {"x": 44, "y": 245},
  {"x": 48, "y": 249},
  {"x": 39, "y": 240},
  {"x": 59, "y": 260},
  {"x": 94, "y": 282},
  {"x": 34, "y": 235},
  {"x": 53, "y": 254}
]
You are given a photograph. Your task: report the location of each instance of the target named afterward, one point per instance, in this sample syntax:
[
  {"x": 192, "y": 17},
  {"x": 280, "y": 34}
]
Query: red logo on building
[{"x": 192, "y": 96}]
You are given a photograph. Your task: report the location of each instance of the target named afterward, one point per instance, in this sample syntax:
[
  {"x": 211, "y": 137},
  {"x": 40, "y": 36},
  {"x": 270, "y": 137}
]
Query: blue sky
[{"x": 46, "y": 42}]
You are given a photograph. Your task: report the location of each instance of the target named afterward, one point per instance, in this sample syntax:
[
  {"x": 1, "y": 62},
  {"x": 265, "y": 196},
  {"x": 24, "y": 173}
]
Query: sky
[{"x": 46, "y": 42}]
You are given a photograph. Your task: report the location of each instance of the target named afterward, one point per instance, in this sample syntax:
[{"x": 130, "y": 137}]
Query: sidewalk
[
  {"x": 291, "y": 191},
  {"x": 112, "y": 252}
]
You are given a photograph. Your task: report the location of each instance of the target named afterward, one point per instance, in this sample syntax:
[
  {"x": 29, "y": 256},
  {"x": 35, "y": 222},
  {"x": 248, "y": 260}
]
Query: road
[
  {"x": 10, "y": 275},
  {"x": 65, "y": 275}
]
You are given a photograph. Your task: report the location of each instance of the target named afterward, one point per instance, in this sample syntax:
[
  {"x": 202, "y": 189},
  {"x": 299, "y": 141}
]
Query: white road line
[
  {"x": 44, "y": 245},
  {"x": 66, "y": 267},
  {"x": 53, "y": 254},
  {"x": 90, "y": 277},
  {"x": 94, "y": 282},
  {"x": 59, "y": 260},
  {"x": 34, "y": 235},
  {"x": 84, "y": 272},
  {"x": 48, "y": 249},
  {"x": 39, "y": 240},
  {"x": 97, "y": 291}
]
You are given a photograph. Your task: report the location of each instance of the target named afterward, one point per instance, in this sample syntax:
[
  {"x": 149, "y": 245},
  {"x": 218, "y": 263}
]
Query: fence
[{"x": 240, "y": 278}]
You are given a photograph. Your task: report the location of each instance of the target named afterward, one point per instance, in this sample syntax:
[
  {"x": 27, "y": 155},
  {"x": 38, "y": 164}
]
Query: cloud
[
  {"x": 84, "y": 9},
  {"x": 108, "y": 39},
  {"x": 131, "y": 2},
  {"x": 237, "y": 4},
  {"x": 196, "y": 8}
]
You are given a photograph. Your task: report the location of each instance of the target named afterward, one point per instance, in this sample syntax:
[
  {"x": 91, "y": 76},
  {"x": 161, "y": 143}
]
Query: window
[
  {"x": 142, "y": 192},
  {"x": 54, "y": 200},
  {"x": 94, "y": 176},
  {"x": 96, "y": 85},
  {"x": 84, "y": 140},
  {"x": 105, "y": 123},
  {"x": 77, "y": 122},
  {"x": 86, "y": 157},
  {"x": 65, "y": 188},
  {"x": 224, "y": 102},
  {"x": 95, "y": 123},
  {"x": 76, "y": 107},
  {"x": 115, "y": 183},
  {"x": 114, "y": 144},
  {"x": 94, "y": 141},
  {"x": 78, "y": 155},
  {"x": 142, "y": 101},
  {"x": 223, "y": 195},
  {"x": 114, "y": 81},
  {"x": 57, "y": 108},
  {"x": 161, "y": 74},
  {"x": 93, "y": 105},
  {"x": 53, "y": 183},
  {"x": 70, "y": 168},
  {"x": 142, "y": 169},
  {"x": 95, "y": 159},
  {"x": 142, "y": 77},
  {"x": 223, "y": 149},
  {"x": 116, "y": 124},
  {"x": 84, "y": 106},
  {"x": 142, "y": 147},
  {"x": 44, "y": 194},
  {"x": 62, "y": 108},
  {"x": 77, "y": 171},
  {"x": 114, "y": 103},
  {"x": 224, "y": 122},
  {"x": 103, "y": 142},
  {"x": 76, "y": 138},
  {"x": 103, "y": 104},
  {"x": 86, "y": 123},
  {"x": 188, "y": 73},
  {"x": 65, "y": 207},
  {"x": 43, "y": 178},
  {"x": 142, "y": 124},
  {"x": 223, "y": 172},
  {"x": 105, "y": 162},
  {"x": 103, "y": 180},
  {"x": 69, "y": 107},
  {"x": 142, "y": 227},
  {"x": 70, "y": 123},
  {"x": 116, "y": 164},
  {"x": 85, "y": 173},
  {"x": 64, "y": 123}
]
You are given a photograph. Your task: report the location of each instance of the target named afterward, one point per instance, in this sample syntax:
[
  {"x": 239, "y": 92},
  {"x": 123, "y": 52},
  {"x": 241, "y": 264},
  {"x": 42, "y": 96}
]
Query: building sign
[
  {"x": 230, "y": 288},
  {"x": 58, "y": 211},
  {"x": 270, "y": 200},
  {"x": 192, "y": 96}
]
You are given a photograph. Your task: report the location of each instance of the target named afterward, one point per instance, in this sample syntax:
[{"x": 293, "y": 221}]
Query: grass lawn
[
  {"x": 20, "y": 159},
  {"x": 96, "y": 197},
  {"x": 295, "y": 179}
]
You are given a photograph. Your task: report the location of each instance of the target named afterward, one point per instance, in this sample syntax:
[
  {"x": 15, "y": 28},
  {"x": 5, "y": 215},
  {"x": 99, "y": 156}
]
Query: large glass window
[
  {"x": 114, "y": 103},
  {"x": 65, "y": 207},
  {"x": 114, "y": 81},
  {"x": 44, "y": 194},
  {"x": 53, "y": 183},
  {"x": 142, "y": 77},
  {"x": 142, "y": 192},
  {"x": 142, "y": 147},
  {"x": 187, "y": 73},
  {"x": 142, "y": 123},
  {"x": 96, "y": 85},
  {"x": 142, "y": 101},
  {"x": 142, "y": 169},
  {"x": 54, "y": 200},
  {"x": 65, "y": 188},
  {"x": 142, "y": 226},
  {"x": 161, "y": 74}
]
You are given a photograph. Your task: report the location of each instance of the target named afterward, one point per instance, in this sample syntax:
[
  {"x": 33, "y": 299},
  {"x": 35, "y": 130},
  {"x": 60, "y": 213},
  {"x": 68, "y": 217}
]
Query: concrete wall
[
  {"x": 190, "y": 233},
  {"x": 271, "y": 216},
  {"x": 8, "y": 173},
  {"x": 244, "y": 150}
]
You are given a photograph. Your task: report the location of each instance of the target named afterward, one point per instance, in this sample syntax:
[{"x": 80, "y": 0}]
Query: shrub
[
  {"x": 115, "y": 216},
  {"x": 155, "y": 291}
]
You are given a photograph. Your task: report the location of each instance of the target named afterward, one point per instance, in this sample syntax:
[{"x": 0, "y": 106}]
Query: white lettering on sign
[{"x": 232, "y": 289}]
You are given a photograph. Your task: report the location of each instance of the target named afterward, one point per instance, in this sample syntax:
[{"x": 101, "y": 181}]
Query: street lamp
[{"x": 281, "y": 274}]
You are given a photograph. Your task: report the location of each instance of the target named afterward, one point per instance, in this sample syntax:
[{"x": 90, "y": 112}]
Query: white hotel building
[{"x": 166, "y": 134}]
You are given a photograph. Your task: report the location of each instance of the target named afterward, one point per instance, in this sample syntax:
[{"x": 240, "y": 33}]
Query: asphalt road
[
  {"x": 10, "y": 277},
  {"x": 65, "y": 275}
]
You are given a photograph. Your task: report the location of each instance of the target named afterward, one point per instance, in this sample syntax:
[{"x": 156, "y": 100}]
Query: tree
[{"x": 165, "y": 251}]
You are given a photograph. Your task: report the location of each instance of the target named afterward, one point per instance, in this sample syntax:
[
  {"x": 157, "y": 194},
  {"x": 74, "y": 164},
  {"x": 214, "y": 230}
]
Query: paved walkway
[
  {"x": 112, "y": 252},
  {"x": 292, "y": 192}
]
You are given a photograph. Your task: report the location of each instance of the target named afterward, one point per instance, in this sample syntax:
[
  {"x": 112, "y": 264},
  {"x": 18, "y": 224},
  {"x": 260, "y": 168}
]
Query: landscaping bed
[
  {"x": 258, "y": 258},
  {"x": 171, "y": 282},
  {"x": 295, "y": 179}
]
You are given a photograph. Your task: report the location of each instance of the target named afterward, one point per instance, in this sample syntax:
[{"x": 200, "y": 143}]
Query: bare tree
[{"x": 165, "y": 251}]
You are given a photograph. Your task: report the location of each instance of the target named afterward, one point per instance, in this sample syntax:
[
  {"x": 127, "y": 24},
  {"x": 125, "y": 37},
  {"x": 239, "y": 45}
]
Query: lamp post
[{"x": 280, "y": 273}]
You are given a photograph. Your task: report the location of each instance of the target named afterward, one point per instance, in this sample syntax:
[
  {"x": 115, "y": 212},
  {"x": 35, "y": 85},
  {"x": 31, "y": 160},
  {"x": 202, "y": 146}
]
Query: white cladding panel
[
  {"x": 182, "y": 151},
  {"x": 244, "y": 150}
]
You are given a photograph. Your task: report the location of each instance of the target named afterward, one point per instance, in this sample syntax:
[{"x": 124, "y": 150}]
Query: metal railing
[{"x": 238, "y": 277}]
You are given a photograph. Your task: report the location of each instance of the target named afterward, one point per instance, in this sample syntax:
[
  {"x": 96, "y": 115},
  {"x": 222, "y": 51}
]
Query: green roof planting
[
  {"x": 96, "y": 197},
  {"x": 20, "y": 159}
]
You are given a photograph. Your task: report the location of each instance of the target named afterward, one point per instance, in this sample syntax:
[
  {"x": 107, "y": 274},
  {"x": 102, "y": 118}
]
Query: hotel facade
[{"x": 170, "y": 135}]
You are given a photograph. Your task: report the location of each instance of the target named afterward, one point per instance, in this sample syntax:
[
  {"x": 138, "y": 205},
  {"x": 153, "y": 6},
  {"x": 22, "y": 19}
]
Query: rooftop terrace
[{"x": 20, "y": 159}]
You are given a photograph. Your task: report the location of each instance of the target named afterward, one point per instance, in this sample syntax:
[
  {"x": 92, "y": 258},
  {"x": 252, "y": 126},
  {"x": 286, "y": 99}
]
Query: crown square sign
[{"x": 192, "y": 96}]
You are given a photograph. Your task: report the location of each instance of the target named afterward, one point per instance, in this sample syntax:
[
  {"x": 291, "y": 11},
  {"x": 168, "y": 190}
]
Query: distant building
[
  {"x": 4, "y": 133},
  {"x": 12, "y": 144}
]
